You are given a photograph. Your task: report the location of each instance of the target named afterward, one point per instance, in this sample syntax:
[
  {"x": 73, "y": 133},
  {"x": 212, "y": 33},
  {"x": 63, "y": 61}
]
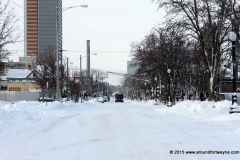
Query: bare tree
[
  {"x": 84, "y": 85},
  {"x": 47, "y": 70},
  {"x": 169, "y": 48},
  {"x": 46, "y": 67},
  {"x": 9, "y": 30},
  {"x": 98, "y": 86},
  {"x": 206, "y": 22}
]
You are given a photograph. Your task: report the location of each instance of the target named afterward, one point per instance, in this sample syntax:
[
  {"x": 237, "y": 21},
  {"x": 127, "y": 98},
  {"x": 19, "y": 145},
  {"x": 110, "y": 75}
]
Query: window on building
[
  {"x": 14, "y": 88},
  {"x": 19, "y": 66}
]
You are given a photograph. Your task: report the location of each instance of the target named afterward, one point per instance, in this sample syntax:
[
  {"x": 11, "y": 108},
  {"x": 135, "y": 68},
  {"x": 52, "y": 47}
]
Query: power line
[
  {"x": 110, "y": 60},
  {"x": 17, "y": 5},
  {"x": 100, "y": 51},
  {"x": 86, "y": 51}
]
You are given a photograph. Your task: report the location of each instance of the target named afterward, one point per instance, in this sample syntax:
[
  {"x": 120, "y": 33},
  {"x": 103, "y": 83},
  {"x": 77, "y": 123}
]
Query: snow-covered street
[{"x": 129, "y": 130}]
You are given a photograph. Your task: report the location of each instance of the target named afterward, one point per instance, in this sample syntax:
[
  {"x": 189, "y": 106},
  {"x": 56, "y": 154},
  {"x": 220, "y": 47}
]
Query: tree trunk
[{"x": 210, "y": 87}]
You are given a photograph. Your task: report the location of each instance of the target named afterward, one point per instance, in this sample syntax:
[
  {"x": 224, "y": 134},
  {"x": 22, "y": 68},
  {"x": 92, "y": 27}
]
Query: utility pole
[
  {"x": 81, "y": 79},
  {"x": 80, "y": 65},
  {"x": 67, "y": 79},
  {"x": 98, "y": 82}
]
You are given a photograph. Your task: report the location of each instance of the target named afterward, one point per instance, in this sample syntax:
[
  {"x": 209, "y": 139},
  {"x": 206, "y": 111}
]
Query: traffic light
[
  {"x": 158, "y": 91},
  {"x": 152, "y": 91},
  {"x": 106, "y": 74}
]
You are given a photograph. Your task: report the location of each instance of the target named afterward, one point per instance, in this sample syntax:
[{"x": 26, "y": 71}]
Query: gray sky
[{"x": 110, "y": 25}]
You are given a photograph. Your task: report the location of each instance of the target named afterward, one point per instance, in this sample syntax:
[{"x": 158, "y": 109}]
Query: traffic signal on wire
[{"x": 158, "y": 90}]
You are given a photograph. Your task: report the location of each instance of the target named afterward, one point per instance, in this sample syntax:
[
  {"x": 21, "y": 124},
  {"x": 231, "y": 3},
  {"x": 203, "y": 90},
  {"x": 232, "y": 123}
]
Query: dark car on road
[{"x": 119, "y": 97}]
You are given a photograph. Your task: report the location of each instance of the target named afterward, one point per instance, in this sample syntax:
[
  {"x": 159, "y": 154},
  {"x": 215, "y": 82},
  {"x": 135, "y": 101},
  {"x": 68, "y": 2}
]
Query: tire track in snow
[{"x": 58, "y": 122}]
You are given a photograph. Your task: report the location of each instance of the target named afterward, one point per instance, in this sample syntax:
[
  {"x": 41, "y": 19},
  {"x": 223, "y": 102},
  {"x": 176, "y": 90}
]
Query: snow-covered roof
[
  {"x": 18, "y": 73},
  {"x": 3, "y": 78}
]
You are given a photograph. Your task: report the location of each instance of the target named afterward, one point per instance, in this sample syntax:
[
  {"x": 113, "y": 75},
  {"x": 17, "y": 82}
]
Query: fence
[
  {"x": 228, "y": 96},
  {"x": 12, "y": 96}
]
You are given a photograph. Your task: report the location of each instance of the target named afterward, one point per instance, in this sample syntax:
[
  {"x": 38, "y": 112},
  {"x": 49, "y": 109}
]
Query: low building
[
  {"x": 19, "y": 80},
  {"x": 24, "y": 63}
]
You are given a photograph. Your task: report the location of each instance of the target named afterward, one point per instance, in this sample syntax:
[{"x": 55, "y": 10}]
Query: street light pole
[
  {"x": 84, "y": 6},
  {"x": 72, "y": 68},
  {"x": 169, "y": 100},
  {"x": 80, "y": 65},
  {"x": 57, "y": 51},
  {"x": 234, "y": 108},
  {"x": 155, "y": 83},
  {"x": 81, "y": 78},
  {"x": 233, "y": 39},
  {"x": 155, "y": 88},
  {"x": 67, "y": 79},
  {"x": 145, "y": 90},
  {"x": 160, "y": 88},
  {"x": 98, "y": 83}
]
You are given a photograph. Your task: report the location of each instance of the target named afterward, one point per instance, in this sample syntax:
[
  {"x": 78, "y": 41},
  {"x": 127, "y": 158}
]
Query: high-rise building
[
  {"x": 132, "y": 66},
  {"x": 43, "y": 26}
]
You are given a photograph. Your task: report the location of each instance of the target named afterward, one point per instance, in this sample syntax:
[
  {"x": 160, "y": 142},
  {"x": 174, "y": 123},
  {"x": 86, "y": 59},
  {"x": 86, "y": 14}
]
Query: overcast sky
[{"x": 110, "y": 25}]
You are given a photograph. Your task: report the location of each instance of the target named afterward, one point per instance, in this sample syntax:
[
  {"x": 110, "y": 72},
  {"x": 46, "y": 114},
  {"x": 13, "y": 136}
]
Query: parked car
[
  {"x": 119, "y": 97},
  {"x": 100, "y": 99},
  {"x": 106, "y": 98},
  {"x": 48, "y": 99}
]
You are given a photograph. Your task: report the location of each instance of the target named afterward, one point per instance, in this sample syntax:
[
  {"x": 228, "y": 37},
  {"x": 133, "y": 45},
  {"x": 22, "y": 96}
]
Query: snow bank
[
  {"x": 12, "y": 114},
  {"x": 196, "y": 110}
]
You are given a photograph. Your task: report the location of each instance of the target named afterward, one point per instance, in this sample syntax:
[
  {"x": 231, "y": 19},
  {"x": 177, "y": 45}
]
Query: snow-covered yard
[{"x": 129, "y": 130}]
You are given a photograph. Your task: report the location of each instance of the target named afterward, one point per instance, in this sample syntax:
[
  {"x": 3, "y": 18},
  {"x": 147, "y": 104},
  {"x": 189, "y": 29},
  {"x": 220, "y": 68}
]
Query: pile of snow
[
  {"x": 29, "y": 112},
  {"x": 205, "y": 110}
]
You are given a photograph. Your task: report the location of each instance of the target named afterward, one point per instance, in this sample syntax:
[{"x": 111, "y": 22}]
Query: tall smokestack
[{"x": 88, "y": 58}]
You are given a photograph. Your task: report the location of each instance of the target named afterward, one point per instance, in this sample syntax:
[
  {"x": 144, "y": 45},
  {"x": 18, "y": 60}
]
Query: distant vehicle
[{"x": 119, "y": 97}]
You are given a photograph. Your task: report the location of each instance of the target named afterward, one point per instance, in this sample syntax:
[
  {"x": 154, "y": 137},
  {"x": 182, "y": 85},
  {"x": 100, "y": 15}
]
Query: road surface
[{"x": 118, "y": 131}]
